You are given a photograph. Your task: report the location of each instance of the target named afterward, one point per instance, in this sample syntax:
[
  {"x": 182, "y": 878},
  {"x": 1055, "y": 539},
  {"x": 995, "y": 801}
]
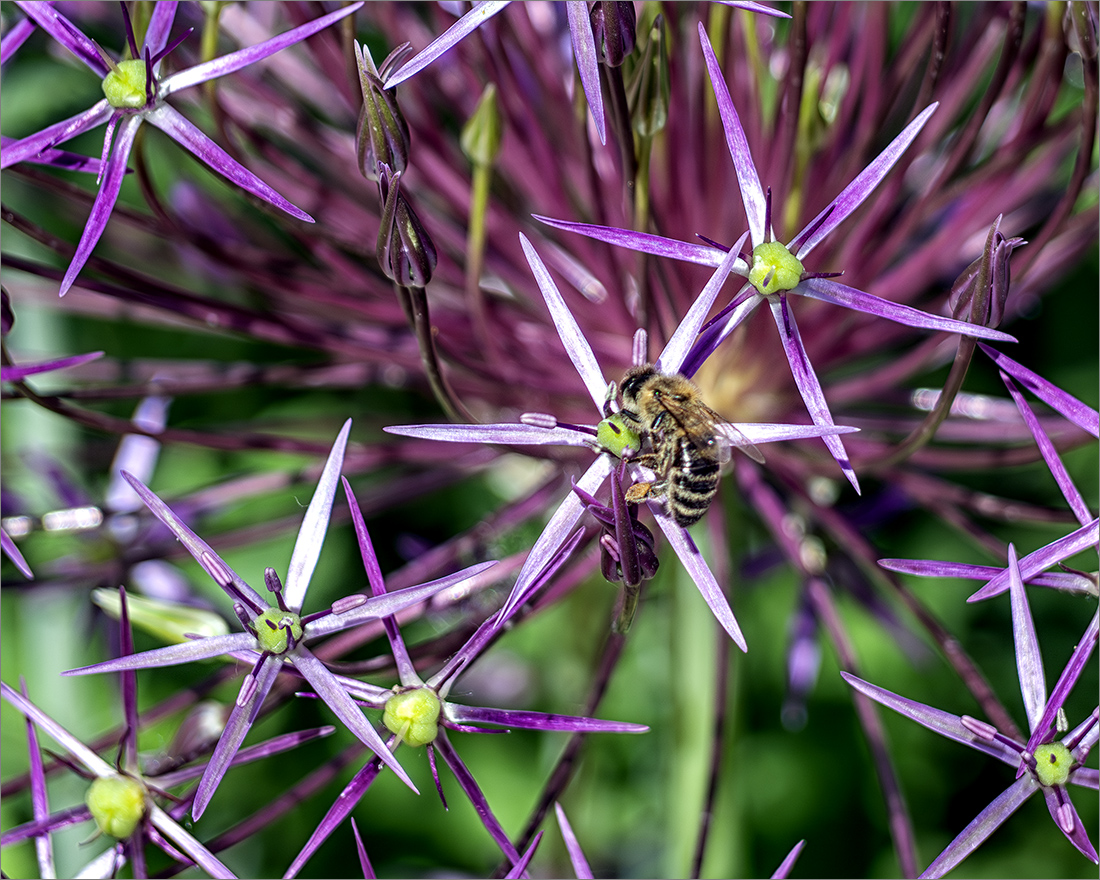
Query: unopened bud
[
  {"x": 979, "y": 293},
  {"x": 383, "y": 134},
  {"x": 614, "y": 25},
  {"x": 405, "y": 250},
  {"x": 483, "y": 132}
]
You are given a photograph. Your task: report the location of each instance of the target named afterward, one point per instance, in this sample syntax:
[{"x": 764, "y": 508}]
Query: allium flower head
[{"x": 134, "y": 92}]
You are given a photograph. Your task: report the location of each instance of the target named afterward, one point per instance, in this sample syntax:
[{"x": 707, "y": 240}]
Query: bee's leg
[{"x": 638, "y": 493}]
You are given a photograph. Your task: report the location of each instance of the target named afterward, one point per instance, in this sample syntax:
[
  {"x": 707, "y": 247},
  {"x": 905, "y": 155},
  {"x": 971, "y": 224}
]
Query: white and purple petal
[{"x": 466, "y": 25}]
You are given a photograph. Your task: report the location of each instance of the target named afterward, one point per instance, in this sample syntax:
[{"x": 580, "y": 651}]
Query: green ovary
[
  {"x": 614, "y": 436},
  {"x": 773, "y": 258},
  {"x": 117, "y": 804},
  {"x": 274, "y": 641},
  {"x": 413, "y": 716},
  {"x": 125, "y": 85},
  {"x": 1053, "y": 763}
]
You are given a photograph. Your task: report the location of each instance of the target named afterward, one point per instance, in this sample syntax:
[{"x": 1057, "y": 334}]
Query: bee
[{"x": 689, "y": 441}]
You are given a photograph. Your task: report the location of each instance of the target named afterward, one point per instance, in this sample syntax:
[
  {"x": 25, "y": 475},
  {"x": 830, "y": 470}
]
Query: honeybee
[{"x": 690, "y": 442}]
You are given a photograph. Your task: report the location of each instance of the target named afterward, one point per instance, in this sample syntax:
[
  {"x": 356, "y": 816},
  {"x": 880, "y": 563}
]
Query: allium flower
[
  {"x": 135, "y": 93},
  {"x": 1046, "y": 762},
  {"x": 277, "y": 633},
  {"x": 775, "y": 270},
  {"x": 418, "y": 713},
  {"x": 534, "y": 432}
]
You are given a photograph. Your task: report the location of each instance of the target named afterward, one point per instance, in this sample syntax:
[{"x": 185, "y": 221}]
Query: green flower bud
[
  {"x": 483, "y": 132},
  {"x": 1053, "y": 763},
  {"x": 413, "y": 715},
  {"x": 168, "y": 621},
  {"x": 117, "y": 804},
  {"x": 272, "y": 627},
  {"x": 773, "y": 258},
  {"x": 614, "y": 435},
  {"x": 125, "y": 85}
]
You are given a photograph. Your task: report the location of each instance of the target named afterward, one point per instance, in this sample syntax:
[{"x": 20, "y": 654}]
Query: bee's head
[{"x": 635, "y": 379}]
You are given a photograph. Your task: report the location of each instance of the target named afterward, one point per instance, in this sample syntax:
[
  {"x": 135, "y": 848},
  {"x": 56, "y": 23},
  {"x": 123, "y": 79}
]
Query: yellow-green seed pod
[
  {"x": 125, "y": 85},
  {"x": 413, "y": 716},
  {"x": 1053, "y": 763},
  {"x": 274, "y": 640},
  {"x": 773, "y": 258},
  {"x": 117, "y": 804},
  {"x": 614, "y": 435}
]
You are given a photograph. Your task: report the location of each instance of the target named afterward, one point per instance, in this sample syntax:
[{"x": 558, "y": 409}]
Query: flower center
[
  {"x": 117, "y": 804},
  {"x": 1052, "y": 764},
  {"x": 614, "y": 435},
  {"x": 275, "y": 627},
  {"x": 774, "y": 268},
  {"x": 125, "y": 85},
  {"x": 413, "y": 716}
]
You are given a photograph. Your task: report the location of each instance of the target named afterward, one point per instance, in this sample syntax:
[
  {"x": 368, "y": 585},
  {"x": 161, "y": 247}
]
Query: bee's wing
[{"x": 727, "y": 435}]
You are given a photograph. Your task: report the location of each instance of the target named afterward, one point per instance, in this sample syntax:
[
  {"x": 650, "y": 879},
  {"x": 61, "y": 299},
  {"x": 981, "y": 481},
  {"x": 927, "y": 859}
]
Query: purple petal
[
  {"x": 576, "y": 854},
  {"x": 1086, "y": 776},
  {"x": 478, "y": 15},
  {"x": 519, "y": 869},
  {"x": 40, "y": 805},
  {"x": 1066, "y": 681},
  {"x": 1044, "y": 558},
  {"x": 987, "y": 821},
  {"x": 752, "y": 193},
  {"x": 172, "y": 655},
  {"x": 32, "y": 147},
  {"x": 341, "y": 808},
  {"x": 784, "y": 869},
  {"x": 329, "y": 690},
  {"x": 677, "y": 348},
  {"x": 391, "y": 603},
  {"x": 700, "y": 572},
  {"x": 254, "y": 689},
  {"x": 160, "y": 23},
  {"x": 1029, "y": 662},
  {"x": 861, "y": 187},
  {"x": 195, "y": 545},
  {"x": 555, "y": 533},
  {"x": 170, "y": 121},
  {"x": 14, "y": 38},
  {"x": 473, "y": 792},
  {"x": 1050, "y": 454},
  {"x": 936, "y": 720},
  {"x": 536, "y": 720},
  {"x": 750, "y": 6},
  {"x": 364, "y": 860},
  {"x": 242, "y": 58},
  {"x": 1057, "y": 580},
  {"x": 577, "y": 347},
  {"x": 59, "y": 734},
  {"x": 187, "y": 844},
  {"x": 647, "y": 243},
  {"x": 274, "y": 746},
  {"x": 715, "y": 334},
  {"x": 763, "y": 432},
  {"x": 311, "y": 535},
  {"x": 67, "y": 34},
  {"x": 1081, "y": 414},
  {"x": 830, "y": 291},
  {"x": 12, "y": 552},
  {"x": 105, "y": 199},
  {"x": 59, "y": 158},
  {"x": 1076, "y": 834},
  {"x": 808, "y": 385},
  {"x": 584, "y": 53},
  {"x": 519, "y": 434}
]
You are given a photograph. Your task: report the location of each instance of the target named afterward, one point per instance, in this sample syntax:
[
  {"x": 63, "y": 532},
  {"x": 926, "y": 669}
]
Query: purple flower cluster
[{"x": 499, "y": 237}]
